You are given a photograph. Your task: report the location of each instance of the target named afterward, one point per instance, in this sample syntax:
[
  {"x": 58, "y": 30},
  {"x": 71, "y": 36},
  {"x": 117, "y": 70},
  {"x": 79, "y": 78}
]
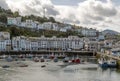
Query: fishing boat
[
  {"x": 55, "y": 59},
  {"x": 9, "y": 59},
  {"x": 66, "y": 60},
  {"x": 42, "y": 59},
  {"x": 103, "y": 63},
  {"x": 23, "y": 65},
  {"x": 72, "y": 60},
  {"x": 112, "y": 63},
  {"x": 52, "y": 56},
  {"x": 5, "y": 66},
  {"x": 36, "y": 59},
  {"x": 77, "y": 60}
]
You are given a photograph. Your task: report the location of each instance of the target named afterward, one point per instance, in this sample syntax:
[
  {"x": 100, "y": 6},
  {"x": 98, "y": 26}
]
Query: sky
[{"x": 99, "y": 14}]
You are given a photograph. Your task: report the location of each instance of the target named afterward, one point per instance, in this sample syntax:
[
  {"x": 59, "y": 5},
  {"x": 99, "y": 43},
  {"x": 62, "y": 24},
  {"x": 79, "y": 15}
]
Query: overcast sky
[{"x": 99, "y": 14}]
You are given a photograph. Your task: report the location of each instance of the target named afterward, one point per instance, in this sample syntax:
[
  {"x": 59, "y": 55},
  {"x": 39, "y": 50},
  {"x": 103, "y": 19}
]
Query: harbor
[
  {"x": 53, "y": 72},
  {"x": 59, "y": 40}
]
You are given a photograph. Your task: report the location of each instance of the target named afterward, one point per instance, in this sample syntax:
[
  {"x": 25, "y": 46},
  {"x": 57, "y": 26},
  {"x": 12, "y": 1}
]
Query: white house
[
  {"x": 47, "y": 25},
  {"x": 63, "y": 29},
  {"x": 40, "y": 27},
  {"x": 21, "y": 43},
  {"x": 14, "y": 21},
  {"x": 89, "y": 32},
  {"x": 5, "y": 42},
  {"x": 55, "y": 27},
  {"x": 108, "y": 43}
]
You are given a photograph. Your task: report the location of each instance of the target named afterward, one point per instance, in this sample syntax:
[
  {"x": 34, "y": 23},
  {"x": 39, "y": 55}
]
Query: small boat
[
  {"x": 9, "y": 59},
  {"x": 55, "y": 59},
  {"x": 103, "y": 63},
  {"x": 42, "y": 59},
  {"x": 5, "y": 66},
  {"x": 72, "y": 60},
  {"x": 16, "y": 59},
  {"x": 43, "y": 66},
  {"x": 36, "y": 59},
  {"x": 21, "y": 56},
  {"x": 66, "y": 60},
  {"x": 112, "y": 63},
  {"x": 30, "y": 56},
  {"x": 23, "y": 65},
  {"x": 52, "y": 56},
  {"x": 77, "y": 60}
]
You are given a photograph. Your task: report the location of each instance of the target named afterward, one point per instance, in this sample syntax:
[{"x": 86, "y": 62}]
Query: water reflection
[{"x": 53, "y": 72}]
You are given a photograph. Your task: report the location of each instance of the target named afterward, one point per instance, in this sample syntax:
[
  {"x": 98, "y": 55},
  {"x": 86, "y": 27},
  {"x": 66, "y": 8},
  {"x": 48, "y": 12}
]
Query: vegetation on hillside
[{"x": 18, "y": 31}]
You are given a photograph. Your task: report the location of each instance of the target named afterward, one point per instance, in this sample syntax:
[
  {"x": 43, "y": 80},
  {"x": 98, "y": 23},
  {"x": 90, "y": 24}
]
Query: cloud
[
  {"x": 3, "y": 4},
  {"x": 89, "y": 13},
  {"x": 35, "y": 7}
]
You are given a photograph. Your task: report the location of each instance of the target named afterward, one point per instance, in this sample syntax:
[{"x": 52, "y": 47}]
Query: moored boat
[
  {"x": 55, "y": 59},
  {"x": 52, "y": 56},
  {"x": 66, "y": 60},
  {"x": 23, "y": 65},
  {"x": 77, "y": 60},
  {"x": 9, "y": 59},
  {"x": 42, "y": 59},
  {"x": 112, "y": 63},
  {"x": 103, "y": 63},
  {"x": 5, "y": 66},
  {"x": 36, "y": 59}
]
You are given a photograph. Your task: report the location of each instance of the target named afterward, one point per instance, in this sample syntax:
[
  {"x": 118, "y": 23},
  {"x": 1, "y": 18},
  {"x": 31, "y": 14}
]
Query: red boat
[
  {"x": 52, "y": 56},
  {"x": 73, "y": 61},
  {"x": 77, "y": 60}
]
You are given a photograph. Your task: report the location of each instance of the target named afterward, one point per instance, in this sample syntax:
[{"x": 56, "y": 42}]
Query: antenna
[{"x": 44, "y": 12}]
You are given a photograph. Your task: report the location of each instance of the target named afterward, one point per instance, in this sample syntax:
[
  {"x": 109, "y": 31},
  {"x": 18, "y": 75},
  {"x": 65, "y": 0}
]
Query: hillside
[
  {"x": 17, "y": 31},
  {"x": 110, "y": 32}
]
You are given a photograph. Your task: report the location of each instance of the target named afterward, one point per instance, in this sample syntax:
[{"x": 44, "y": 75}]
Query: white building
[
  {"x": 29, "y": 23},
  {"x": 14, "y": 21},
  {"x": 108, "y": 43},
  {"x": 63, "y": 29},
  {"x": 40, "y": 27},
  {"x": 55, "y": 27},
  {"x": 47, "y": 25},
  {"x": 43, "y": 43},
  {"x": 5, "y": 42},
  {"x": 21, "y": 43},
  {"x": 89, "y": 32}
]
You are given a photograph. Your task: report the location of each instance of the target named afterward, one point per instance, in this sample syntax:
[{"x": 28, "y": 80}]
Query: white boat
[
  {"x": 66, "y": 59},
  {"x": 42, "y": 59},
  {"x": 36, "y": 59},
  {"x": 112, "y": 63},
  {"x": 9, "y": 59},
  {"x": 103, "y": 63}
]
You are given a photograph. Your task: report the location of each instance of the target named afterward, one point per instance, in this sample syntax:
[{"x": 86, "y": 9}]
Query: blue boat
[
  {"x": 112, "y": 64},
  {"x": 103, "y": 63},
  {"x": 55, "y": 59},
  {"x": 9, "y": 59}
]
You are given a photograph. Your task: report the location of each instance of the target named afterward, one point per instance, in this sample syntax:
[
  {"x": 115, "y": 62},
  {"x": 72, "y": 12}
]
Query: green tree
[
  {"x": 3, "y": 18},
  {"x": 51, "y": 19},
  {"x": 16, "y": 14}
]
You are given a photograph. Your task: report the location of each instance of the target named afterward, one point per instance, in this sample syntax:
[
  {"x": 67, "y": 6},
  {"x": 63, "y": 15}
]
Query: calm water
[{"x": 53, "y": 72}]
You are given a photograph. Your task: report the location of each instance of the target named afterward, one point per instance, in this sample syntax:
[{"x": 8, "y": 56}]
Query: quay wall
[{"x": 69, "y": 53}]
